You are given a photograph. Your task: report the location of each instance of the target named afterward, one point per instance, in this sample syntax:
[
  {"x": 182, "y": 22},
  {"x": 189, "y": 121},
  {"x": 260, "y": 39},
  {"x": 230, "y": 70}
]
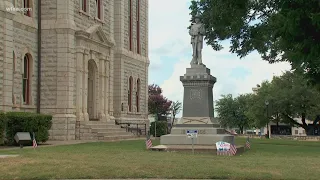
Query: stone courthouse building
[{"x": 83, "y": 61}]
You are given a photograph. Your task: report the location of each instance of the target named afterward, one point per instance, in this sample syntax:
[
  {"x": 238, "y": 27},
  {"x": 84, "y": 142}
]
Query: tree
[
  {"x": 158, "y": 105},
  {"x": 279, "y": 30},
  {"x": 175, "y": 109},
  {"x": 290, "y": 97},
  {"x": 232, "y": 111}
]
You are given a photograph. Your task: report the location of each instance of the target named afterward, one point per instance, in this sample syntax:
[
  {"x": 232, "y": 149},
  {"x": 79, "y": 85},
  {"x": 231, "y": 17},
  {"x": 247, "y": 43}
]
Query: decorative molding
[{"x": 87, "y": 35}]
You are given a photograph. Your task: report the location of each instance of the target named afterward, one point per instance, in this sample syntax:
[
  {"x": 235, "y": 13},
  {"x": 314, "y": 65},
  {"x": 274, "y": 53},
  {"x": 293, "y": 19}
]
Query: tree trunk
[
  {"x": 316, "y": 120},
  {"x": 173, "y": 118},
  {"x": 241, "y": 129},
  {"x": 304, "y": 124}
]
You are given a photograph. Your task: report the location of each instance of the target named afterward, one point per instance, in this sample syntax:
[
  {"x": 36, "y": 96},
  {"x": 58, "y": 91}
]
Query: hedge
[
  {"x": 162, "y": 128},
  {"x": 3, "y": 121},
  {"x": 27, "y": 122}
]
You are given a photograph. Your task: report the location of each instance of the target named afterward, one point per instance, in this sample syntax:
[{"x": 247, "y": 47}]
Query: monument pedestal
[{"x": 198, "y": 113}]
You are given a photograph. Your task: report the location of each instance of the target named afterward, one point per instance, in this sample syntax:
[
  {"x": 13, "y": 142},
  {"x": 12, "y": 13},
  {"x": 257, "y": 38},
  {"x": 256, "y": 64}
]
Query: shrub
[
  {"x": 28, "y": 122},
  {"x": 3, "y": 121},
  {"x": 161, "y": 128}
]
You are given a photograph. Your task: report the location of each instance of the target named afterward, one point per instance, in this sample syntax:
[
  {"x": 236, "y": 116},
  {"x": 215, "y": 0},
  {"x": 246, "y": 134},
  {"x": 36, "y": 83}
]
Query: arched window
[
  {"x": 27, "y": 7},
  {"x": 26, "y": 80},
  {"x": 83, "y": 5},
  {"x": 13, "y": 70},
  {"x": 138, "y": 25},
  {"x": 130, "y": 93},
  {"x": 99, "y": 5},
  {"x": 13, "y": 62},
  {"x": 130, "y": 23},
  {"x": 138, "y": 95}
]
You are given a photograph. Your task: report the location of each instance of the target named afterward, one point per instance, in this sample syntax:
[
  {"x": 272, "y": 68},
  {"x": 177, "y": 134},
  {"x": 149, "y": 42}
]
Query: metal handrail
[{"x": 139, "y": 132}]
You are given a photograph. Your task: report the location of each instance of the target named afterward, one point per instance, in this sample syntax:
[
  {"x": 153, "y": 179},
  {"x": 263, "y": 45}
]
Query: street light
[{"x": 267, "y": 108}]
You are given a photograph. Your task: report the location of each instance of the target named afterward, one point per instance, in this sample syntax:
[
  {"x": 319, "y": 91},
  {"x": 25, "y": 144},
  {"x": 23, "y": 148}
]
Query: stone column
[
  {"x": 85, "y": 85},
  {"x": 146, "y": 90},
  {"x": 79, "y": 85},
  {"x": 66, "y": 72},
  {"x": 102, "y": 96},
  {"x": 146, "y": 97},
  {"x": 111, "y": 85},
  {"x": 107, "y": 90}
]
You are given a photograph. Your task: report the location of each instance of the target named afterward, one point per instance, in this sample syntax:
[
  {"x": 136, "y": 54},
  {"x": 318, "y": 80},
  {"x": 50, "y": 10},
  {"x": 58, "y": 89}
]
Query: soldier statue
[{"x": 197, "y": 32}]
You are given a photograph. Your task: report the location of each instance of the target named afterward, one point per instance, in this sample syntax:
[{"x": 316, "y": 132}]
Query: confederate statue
[{"x": 197, "y": 32}]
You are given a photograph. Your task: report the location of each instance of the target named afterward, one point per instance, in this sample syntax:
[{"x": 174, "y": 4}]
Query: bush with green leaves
[
  {"x": 28, "y": 122},
  {"x": 161, "y": 128},
  {"x": 3, "y": 121}
]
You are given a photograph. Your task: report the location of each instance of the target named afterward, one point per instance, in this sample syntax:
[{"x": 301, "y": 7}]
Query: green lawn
[{"x": 267, "y": 159}]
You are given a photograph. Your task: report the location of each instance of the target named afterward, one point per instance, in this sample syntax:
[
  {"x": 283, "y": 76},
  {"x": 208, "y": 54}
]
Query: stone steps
[
  {"x": 119, "y": 137},
  {"x": 102, "y": 130},
  {"x": 96, "y": 130},
  {"x": 97, "y": 126},
  {"x": 118, "y": 133}
]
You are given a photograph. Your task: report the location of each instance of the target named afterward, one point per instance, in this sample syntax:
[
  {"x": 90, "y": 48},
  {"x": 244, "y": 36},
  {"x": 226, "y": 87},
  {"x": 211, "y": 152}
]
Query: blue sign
[{"x": 192, "y": 131}]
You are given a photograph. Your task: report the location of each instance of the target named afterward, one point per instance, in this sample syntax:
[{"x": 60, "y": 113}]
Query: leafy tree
[
  {"x": 232, "y": 111},
  {"x": 279, "y": 30},
  {"x": 158, "y": 105},
  {"x": 290, "y": 97},
  {"x": 175, "y": 109}
]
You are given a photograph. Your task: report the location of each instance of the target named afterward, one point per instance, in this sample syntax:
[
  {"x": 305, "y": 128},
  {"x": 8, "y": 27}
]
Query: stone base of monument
[
  {"x": 209, "y": 132},
  {"x": 198, "y": 111},
  {"x": 206, "y": 136},
  {"x": 197, "y": 149}
]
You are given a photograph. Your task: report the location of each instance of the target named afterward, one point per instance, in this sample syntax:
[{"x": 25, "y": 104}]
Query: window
[
  {"x": 13, "y": 70},
  {"x": 130, "y": 24},
  {"x": 138, "y": 95},
  {"x": 13, "y": 62},
  {"x": 26, "y": 80},
  {"x": 138, "y": 25},
  {"x": 98, "y": 3},
  {"x": 296, "y": 131},
  {"x": 83, "y": 5},
  {"x": 27, "y": 6},
  {"x": 130, "y": 93}
]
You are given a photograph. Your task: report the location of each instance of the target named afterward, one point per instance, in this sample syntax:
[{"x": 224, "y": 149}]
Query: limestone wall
[
  {"x": 19, "y": 37},
  {"x": 130, "y": 63},
  {"x": 60, "y": 21}
]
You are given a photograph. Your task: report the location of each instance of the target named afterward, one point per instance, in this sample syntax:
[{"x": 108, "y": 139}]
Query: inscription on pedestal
[
  {"x": 203, "y": 131},
  {"x": 195, "y": 94}
]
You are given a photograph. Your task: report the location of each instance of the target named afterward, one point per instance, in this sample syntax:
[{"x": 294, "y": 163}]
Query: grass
[{"x": 267, "y": 159}]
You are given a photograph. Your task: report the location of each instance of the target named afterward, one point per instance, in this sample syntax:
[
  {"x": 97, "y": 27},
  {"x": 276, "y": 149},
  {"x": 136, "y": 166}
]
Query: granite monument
[{"x": 198, "y": 107}]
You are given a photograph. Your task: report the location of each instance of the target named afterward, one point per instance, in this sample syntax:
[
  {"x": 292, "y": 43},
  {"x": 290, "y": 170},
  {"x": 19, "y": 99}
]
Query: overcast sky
[{"x": 170, "y": 53}]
